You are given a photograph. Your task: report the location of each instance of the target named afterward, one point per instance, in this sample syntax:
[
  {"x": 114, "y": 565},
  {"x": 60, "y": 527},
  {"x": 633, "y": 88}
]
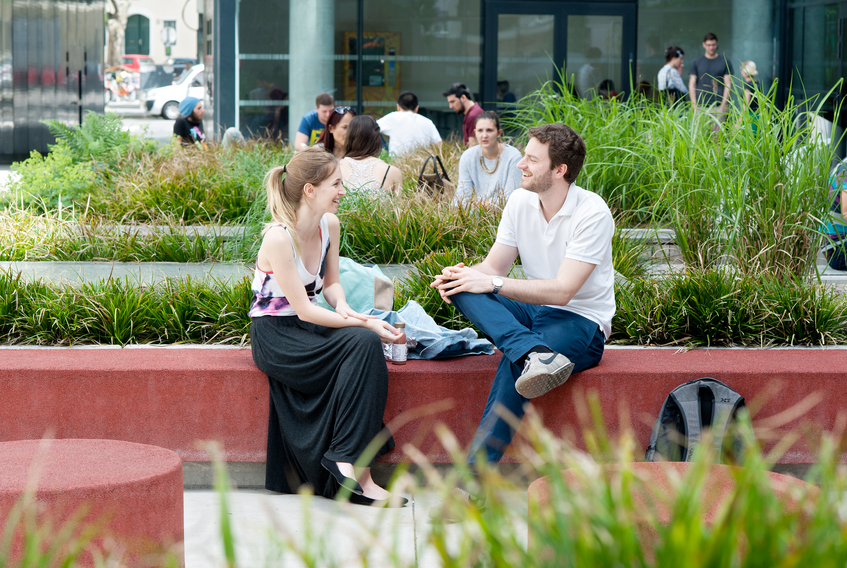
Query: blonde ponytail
[{"x": 285, "y": 185}]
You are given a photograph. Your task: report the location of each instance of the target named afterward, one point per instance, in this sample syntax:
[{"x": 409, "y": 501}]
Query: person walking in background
[
  {"x": 405, "y": 128},
  {"x": 709, "y": 79},
  {"x": 749, "y": 74},
  {"x": 459, "y": 99},
  {"x": 314, "y": 122},
  {"x": 361, "y": 168},
  {"x": 669, "y": 80},
  {"x": 751, "y": 86},
  {"x": 335, "y": 134},
  {"x": 189, "y": 126},
  {"x": 490, "y": 168}
]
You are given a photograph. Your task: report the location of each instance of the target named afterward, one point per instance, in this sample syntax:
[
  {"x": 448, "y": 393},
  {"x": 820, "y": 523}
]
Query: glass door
[{"x": 528, "y": 43}]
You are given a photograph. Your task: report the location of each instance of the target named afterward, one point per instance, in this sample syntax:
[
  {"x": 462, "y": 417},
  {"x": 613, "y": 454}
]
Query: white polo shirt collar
[{"x": 568, "y": 207}]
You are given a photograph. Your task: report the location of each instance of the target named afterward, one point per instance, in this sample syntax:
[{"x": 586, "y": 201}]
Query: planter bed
[{"x": 172, "y": 397}]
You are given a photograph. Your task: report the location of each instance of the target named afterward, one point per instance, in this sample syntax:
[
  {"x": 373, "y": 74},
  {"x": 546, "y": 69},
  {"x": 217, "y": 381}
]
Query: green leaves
[
  {"x": 121, "y": 312},
  {"x": 723, "y": 308}
]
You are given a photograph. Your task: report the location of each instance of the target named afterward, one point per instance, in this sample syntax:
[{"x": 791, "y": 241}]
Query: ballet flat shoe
[
  {"x": 393, "y": 501},
  {"x": 344, "y": 481}
]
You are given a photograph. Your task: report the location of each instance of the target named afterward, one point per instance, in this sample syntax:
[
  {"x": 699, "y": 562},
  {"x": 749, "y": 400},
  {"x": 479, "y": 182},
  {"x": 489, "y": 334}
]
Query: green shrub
[
  {"x": 122, "y": 312},
  {"x": 193, "y": 185},
  {"x": 748, "y": 194},
  {"x": 47, "y": 181},
  {"x": 100, "y": 138},
  {"x": 722, "y": 308},
  {"x": 417, "y": 287},
  {"x": 74, "y": 235},
  {"x": 383, "y": 230}
]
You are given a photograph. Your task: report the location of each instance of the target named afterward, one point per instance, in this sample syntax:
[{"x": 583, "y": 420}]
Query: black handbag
[{"x": 436, "y": 183}]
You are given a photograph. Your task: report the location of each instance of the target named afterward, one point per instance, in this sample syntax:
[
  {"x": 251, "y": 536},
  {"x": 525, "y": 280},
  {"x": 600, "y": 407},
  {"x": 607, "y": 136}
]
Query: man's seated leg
[
  {"x": 494, "y": 433},
  {"x": 571, "y": 336},
  {"x": 508, "y": 324}
]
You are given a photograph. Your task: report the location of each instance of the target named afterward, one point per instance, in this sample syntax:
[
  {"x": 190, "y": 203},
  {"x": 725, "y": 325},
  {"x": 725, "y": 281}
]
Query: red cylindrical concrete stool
[
  {"x": 132, "y": 492},
  {"x": 656, "y": 492}
]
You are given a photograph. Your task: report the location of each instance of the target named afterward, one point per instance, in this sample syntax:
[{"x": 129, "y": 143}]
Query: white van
[{"x": 165, "y": 100}]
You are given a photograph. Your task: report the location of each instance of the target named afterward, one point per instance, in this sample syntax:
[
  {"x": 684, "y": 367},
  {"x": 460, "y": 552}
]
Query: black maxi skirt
[{"x": 328, "y": 392}]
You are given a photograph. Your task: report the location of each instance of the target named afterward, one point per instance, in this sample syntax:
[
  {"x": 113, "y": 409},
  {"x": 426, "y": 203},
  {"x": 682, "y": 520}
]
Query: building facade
[
  {"x": 270, "y": 58},
  {"x": 51, "y": 67},
  {"x": 149, "y": 18}
]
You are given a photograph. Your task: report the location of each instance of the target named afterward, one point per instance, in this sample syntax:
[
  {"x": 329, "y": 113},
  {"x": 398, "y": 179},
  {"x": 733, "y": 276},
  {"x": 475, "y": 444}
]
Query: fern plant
[{"x": 100, "y": 138}]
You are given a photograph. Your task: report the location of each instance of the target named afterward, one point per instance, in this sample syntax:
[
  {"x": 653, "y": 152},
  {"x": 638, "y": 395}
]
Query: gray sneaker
[{"x": 542, "y": 373}]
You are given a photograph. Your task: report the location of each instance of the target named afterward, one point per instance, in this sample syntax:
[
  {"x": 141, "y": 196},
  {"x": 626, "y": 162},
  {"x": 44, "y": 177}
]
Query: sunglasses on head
[{"x": 342, "y": 110}]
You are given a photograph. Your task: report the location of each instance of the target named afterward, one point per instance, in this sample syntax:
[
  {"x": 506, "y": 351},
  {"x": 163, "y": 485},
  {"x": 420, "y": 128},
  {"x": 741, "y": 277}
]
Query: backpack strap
[
  {"x": 687, "y": 398},
  {"x": 726, "y": 404},
  {"x": 654, "y": 436}
]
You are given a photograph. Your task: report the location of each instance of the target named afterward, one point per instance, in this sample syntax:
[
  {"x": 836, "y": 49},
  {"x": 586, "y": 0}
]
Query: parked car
[
  {"x": 133, "y": 61},
  {"x": 178, "y": 64},
  {"x": 165, "y": 100}
]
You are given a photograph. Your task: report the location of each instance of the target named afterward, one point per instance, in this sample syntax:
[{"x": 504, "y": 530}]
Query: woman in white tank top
[
  {"x": 327, "y": 373},
  {"x": 361, "y": 167}
]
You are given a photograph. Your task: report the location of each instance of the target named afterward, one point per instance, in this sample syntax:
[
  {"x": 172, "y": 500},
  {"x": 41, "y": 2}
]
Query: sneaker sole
[{"x": 537, "y": 385}]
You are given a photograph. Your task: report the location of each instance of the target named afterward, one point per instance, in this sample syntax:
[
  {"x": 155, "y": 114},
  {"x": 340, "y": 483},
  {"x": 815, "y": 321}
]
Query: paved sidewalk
[{"x": 263, "y": 521}]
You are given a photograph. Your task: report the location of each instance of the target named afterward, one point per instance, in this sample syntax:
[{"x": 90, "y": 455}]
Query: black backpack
[{"x": 704, "y": 403}]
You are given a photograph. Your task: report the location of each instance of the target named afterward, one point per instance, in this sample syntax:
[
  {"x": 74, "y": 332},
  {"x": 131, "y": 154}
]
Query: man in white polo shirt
[{"x": 555, "y": 321}]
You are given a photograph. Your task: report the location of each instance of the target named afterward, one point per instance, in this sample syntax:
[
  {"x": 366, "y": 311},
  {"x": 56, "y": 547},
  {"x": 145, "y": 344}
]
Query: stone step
[
  {"x": 146, "y": 273},
  {"x": 143, "y": 273}
]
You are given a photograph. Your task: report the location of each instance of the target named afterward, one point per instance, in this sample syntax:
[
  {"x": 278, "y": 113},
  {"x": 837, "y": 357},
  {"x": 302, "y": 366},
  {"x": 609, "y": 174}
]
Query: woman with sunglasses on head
[
  {"x": 335, "y": 133},
  {"x": 327, "y": 372},
  {"x": 671, "y": 84},
  {"x": 361, "y": 167},
  {"x": 489, "y": 169}
]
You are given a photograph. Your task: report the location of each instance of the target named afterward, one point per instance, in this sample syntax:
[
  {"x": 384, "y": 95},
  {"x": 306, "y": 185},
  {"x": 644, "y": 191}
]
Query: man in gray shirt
[{"x": 709, "y": 78}]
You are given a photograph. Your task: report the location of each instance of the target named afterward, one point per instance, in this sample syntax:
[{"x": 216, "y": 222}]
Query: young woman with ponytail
[{"x": 327, "y": 372}]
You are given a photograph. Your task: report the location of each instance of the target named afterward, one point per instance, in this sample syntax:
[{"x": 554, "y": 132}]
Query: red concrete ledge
[
  {"x": 172, "y": 397},
  {"x": 132, "y": 491}
]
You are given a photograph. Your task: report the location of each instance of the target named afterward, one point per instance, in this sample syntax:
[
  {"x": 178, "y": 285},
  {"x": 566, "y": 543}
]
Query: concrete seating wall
[{"x": 174, "y": 397}]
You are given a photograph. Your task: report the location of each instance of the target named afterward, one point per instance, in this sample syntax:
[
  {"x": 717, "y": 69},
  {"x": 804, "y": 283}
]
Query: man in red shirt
[{"x": 459, "y": 99}]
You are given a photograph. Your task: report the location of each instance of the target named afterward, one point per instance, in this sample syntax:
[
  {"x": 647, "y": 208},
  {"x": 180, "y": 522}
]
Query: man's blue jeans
[{"x": 515, "y": 328}]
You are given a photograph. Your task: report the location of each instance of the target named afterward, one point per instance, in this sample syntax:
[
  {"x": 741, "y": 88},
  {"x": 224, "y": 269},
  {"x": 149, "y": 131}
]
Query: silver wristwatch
[{"x": 498, "y": 283}]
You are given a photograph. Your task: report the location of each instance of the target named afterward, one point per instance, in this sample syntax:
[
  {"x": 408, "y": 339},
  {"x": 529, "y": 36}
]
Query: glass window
[
  {"x": 594, "y": 55},
  {"x": 525, "y": 51},
  {"x": 289, "y": 52},
  {"x": 414, "y": 45},
  {"x": 422, "y": 46},
  {"x": 682, "y": 23}
]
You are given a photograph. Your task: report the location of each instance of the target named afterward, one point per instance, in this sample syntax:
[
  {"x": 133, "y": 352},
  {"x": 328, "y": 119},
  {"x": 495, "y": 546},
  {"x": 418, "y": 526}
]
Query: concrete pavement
[
  {"x": 264, "y": 523},
  {"x": 138, "y": 272}
]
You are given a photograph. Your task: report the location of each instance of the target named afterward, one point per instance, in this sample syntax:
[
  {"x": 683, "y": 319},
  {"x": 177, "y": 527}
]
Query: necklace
[{"x": 482, "y": 163}]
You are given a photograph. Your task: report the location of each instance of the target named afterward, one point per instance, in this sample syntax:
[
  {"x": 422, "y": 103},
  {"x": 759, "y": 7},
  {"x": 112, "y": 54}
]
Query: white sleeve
[
  {"x": 592, "y": 238},
  {"x": 464, "y": 186},
  {"x": 384, "y": 124},
  {"x": 434, "y": 136},
  {"x": 506, "y": 230}
]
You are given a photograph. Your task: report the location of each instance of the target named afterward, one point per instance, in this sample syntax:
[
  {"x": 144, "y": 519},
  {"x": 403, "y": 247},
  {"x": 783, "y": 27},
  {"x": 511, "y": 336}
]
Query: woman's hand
[
  {"x": 342, "y": 309},
  {"x": 386, "y": 332}
]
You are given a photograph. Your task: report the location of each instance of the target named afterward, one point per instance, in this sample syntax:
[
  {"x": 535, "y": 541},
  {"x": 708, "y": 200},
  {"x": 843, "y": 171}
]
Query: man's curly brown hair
[{"x": 564, "y": 146}]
